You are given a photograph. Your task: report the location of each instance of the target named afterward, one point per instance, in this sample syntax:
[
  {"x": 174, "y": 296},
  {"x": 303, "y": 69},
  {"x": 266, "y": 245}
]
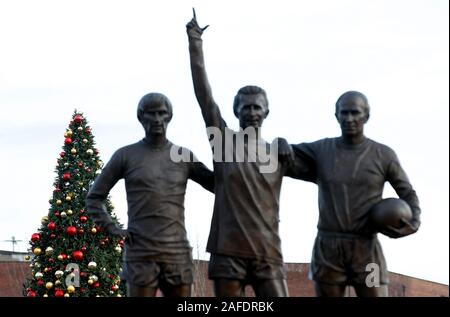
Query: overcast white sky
[{"x": 102, "y": 56}]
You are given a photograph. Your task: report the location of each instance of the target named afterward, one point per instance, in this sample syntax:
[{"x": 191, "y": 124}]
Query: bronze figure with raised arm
[{"x": 244, "y": 240}]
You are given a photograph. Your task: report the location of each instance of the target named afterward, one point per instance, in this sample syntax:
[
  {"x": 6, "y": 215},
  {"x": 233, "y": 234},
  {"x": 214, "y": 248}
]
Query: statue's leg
[
  {"x": 182, "y": 290},
  {"x": 140, "y": 291},
  {"x": 271, "y": 288},
  {"x": 329, "y": 290},
  {"x": 229, "y": 288},
  {"x": 364, "y": 291}
]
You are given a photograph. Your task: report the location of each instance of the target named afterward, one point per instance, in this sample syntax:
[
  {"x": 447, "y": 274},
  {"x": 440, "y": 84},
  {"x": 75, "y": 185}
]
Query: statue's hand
[
  {"x": 405, "y": 230},
  {"x": 193, "y": 29},
  {"x": 119, "y": 232},
  {"x": 284, "y": 149}
]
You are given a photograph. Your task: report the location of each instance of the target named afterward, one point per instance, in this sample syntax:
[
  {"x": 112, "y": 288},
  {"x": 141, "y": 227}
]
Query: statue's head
[
  {"x": 352, "y": 112},
  {"x": 251, "y": 106},
  {"x": 154, "y": 112}
]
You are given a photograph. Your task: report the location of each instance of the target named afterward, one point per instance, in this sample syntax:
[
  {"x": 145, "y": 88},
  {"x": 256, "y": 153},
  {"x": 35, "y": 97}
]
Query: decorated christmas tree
[{"x": 73, "y": 256}]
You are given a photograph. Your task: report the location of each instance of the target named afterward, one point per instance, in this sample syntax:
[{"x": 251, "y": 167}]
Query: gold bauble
[
  {"x": 94, "y": 230},
  {"x": 37, "y": 251},
  {"x": 118, "y": 249},
  {"x": 80, "y": 129},
  {"x": 68, "y": 198},
  {"x": 49, "y": 285},
  {"x": 63, "y": 214},
  {"x": 27, "y": 258},
  {"x": 89, "y": 152},
  {"x": 60, "y": 257},
  {"x": 44, "y": 220},
  {"x": 49, "y": 251},
  {"x": 71, "y": 289},
  {"x": 45, "y": 295},
  {"x": 90, "y": 282},
  {"x": 85, "y": 141},
  {"x": 57, "y": 282},
  {"x": 59, "y": 273},
  {"x": 58, "y": 202},
  {"x": 66, "y": 295},
  {"x": 70, "y": 212},
  {"x": 69, "y": 133},
  {"x": 73, "y": 151},
  {"x": 118, "y": 295}
]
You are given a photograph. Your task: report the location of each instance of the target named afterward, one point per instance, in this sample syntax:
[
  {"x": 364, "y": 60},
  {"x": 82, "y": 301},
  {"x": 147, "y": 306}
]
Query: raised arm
[{"x": 210, "y": 110}]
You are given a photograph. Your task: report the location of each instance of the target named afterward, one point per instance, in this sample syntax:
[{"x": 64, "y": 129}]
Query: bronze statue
[
  {"x": 157, "y": 251},
  {"x": 351, "y": 171},
  {"x": 244, "y": 241}
]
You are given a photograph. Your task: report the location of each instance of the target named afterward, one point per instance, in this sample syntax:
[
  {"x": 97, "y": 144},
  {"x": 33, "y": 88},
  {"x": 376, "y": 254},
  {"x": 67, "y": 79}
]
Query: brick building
[{"x": 14, "y": 270}]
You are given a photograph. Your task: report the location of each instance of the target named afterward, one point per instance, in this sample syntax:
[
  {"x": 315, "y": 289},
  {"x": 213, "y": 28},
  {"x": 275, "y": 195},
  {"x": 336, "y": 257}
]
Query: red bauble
[
  {"x": 57, "y": 189},
  {"x": 51, "y": 260},
  {"x": 83, "y": 274},
  {"x": 77, "y": 255},
  {"x": 80, "y": 164},
  {"x": 52, "y": 236},
  {"x": 66, "y": 176},
  {"x": 68, "y": 141},
  {"x": 88, "y": 130},
  {"x": 62, "y": 154},
  {"x": 41, "y": 283},
  {"x": 51, "y": 226},
  {"x": 59, "y": 293},
  {"x": 82, "y": 211},
  {"x": 35, "y": 237},
  {"x": 78, "y": 118},
  {"x": 64, "y": 256},
  {"x": 81, "y": 231},
  {"x": 31, "y": 294},
  {"x": 83, "y": 219},
  {"x": 57, "y": 214},
  {"x": 71, "y": 231},
  {"x": 96, "y": 284},
  {"x": 84, "y": 248}
]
